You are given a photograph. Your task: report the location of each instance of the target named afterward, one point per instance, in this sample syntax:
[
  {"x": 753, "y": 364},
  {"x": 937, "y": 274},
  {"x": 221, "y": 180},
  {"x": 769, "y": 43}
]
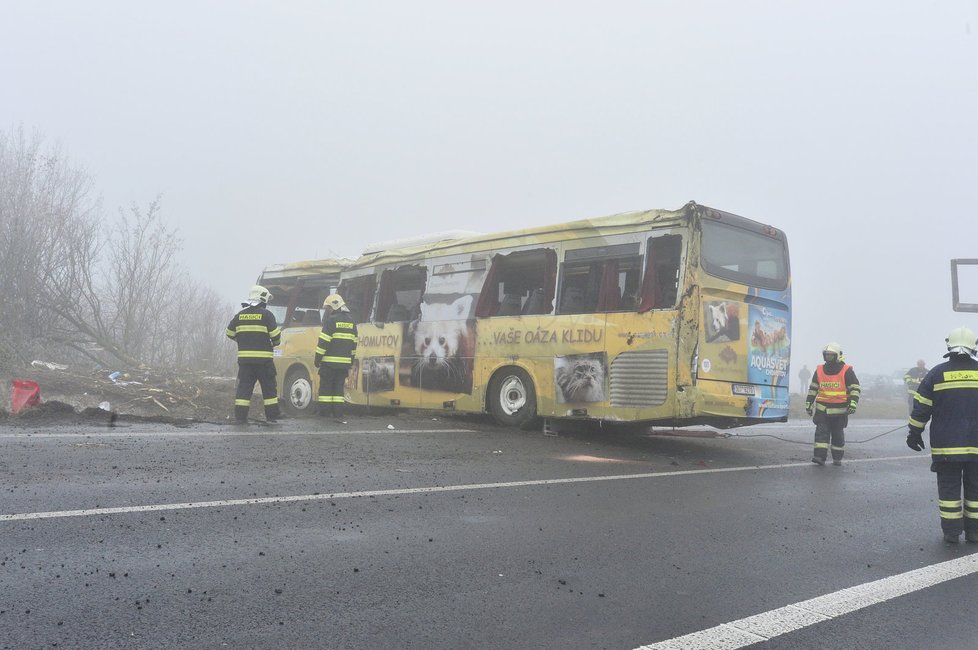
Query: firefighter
[
  {"x": 334, "y": 355},
  {"x": 255, "y": 331},
  {"x": 948, "y": 397},
  {"x": 832, "y": 397},
  {"x": 912, "y": 380}
]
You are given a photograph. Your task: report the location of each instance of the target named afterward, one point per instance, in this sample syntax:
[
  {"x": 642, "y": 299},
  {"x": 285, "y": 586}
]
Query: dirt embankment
[{"x": 70, "y": 396}]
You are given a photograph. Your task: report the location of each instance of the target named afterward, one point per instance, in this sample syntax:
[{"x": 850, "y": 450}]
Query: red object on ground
[{"x": 26, "y": 393}]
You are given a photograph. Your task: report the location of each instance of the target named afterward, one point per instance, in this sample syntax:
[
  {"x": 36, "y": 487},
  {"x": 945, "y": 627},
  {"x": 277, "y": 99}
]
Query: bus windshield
[{"x": 744, "y": 256}]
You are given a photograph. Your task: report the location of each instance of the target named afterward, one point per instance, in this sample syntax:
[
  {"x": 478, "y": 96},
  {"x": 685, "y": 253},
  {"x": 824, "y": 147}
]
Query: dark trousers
[
  {"x": 830, "y": 427},
  {"x": 331, "y": 380},
  {"x": 951, "y": 476},
  {"x": 262, "y": 371}
]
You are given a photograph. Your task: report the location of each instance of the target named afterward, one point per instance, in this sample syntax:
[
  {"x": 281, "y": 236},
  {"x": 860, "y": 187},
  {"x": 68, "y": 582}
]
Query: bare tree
[
  {"x": 45, "y": 207},
  {"x": 77, "y": 285}
]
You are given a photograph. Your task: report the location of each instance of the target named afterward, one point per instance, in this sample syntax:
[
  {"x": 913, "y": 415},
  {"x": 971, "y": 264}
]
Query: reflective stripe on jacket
[
  {"x": 948, "y": 398},
  {"x": 831, "y": 388},
  {"x": 337, "y": 341},
  {"x": 833, "y": 393},
  {"x": 255, "y": 331}
]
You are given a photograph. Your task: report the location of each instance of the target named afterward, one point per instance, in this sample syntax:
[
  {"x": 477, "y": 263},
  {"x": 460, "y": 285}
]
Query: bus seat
[
  {"x": 398, "y": 312},
  {"x": 572, "y": 301},
  {"x": 535, "y": 303},
  {"x": 510, "y": 306}
]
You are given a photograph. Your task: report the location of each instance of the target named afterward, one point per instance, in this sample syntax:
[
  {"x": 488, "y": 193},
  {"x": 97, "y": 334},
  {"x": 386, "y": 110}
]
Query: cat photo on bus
[
  {"x": 580, "y": 377},
  {"x": 378, "y": 374},
  {"x": 438, "y": 347}
]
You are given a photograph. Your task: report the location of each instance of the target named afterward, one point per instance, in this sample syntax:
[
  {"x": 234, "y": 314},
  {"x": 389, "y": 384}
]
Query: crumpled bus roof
[
  {"x": 306, "y": 268},
  {"x": 593, "y": 227}
]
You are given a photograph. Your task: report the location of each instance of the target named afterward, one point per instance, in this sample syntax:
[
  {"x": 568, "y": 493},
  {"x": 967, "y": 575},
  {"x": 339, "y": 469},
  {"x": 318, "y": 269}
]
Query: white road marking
[
  {"x": 112, "y": 433},
  {"x": 88, "y": 512},
  {"x": 790, "y": 618}
]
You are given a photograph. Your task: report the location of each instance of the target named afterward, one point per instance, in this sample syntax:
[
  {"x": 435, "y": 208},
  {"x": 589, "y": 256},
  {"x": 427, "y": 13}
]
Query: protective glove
[
  {"x": 852, "y": 409},
  {"x": 317, "y": 362},
  {"x": 915, "y": 441},
  {"x": 809, "y": 408}
]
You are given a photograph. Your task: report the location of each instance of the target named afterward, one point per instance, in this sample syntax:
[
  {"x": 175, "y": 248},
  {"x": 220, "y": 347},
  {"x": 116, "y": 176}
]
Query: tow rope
[{"x": 808, "y": 443}]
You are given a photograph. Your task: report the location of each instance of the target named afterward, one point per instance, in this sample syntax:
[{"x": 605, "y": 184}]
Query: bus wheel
[
  {"x": 298, "y": 396},
  {"x": 512, "y": 398}
]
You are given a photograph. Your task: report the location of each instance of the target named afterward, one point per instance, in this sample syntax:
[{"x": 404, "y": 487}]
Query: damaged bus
[
  {"x": 667, "y": 317},
  {"x": 298, "y": 291}
]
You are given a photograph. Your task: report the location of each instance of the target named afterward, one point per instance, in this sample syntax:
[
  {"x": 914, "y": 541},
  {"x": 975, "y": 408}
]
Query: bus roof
[
  {"x": 453, "y": 242},
  {"x": 598, "y": 226},
  {"x": 305, "y": 268}
]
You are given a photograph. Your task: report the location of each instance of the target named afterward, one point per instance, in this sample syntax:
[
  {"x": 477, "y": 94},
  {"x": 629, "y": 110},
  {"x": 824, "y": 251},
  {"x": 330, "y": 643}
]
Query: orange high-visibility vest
[{"x": 832, "y": 388}]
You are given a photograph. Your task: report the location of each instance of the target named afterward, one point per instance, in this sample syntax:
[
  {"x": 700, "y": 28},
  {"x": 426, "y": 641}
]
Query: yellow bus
[
  {"x": 668, "y": 317},
  {"x": 298, "y": 290}
]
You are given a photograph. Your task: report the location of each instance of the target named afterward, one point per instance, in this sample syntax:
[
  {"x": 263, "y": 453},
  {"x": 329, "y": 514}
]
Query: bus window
[
  {"x": 299, "y": 305},
  {"x": 400, "y": 292},
  {"x": 623, "y": 279},
  {"x": 520, "y": 283},
  {"x": 579, "y": 288},
  {"x": 751, "y": 258},
  {"x": 358, "y": 293},
  {"x": 662, "y": 261},
  {"x": 279, "y": 304},
  {"x": 600, "y": 279}
]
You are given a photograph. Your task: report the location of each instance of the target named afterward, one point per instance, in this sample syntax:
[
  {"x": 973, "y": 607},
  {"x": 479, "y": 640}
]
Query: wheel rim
[
  {"x": 512, "y": 395},
  {"x": 300, "y": 393}
]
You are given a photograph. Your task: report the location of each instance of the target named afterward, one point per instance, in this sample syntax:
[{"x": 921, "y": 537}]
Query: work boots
[{"x": 818, "y": 461}]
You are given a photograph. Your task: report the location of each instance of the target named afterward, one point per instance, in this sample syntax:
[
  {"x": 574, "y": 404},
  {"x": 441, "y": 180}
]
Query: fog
[{"x": 284, "y": 131}]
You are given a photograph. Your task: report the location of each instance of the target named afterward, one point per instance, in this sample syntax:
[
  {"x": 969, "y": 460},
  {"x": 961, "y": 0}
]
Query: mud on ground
[{"x": 74, "y": 397}]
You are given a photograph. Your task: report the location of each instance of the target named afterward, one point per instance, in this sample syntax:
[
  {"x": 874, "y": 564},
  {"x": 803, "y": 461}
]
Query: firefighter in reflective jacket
[
  {"x": 255, "y": 331},
  {"x": 948, "y": 397},
  {"x": 912, "y": 379},
  {"x": 334, "y": 355},
  {"x": 832, "y": 397}
]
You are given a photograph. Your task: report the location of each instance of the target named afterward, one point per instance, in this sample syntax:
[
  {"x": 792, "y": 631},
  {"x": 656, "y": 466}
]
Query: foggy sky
[{"x": 278, "y": 131}]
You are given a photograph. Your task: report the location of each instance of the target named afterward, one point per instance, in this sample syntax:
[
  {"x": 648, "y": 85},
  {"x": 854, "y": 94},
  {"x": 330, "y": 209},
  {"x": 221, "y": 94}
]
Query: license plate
[{"x": 744, "y": 389}]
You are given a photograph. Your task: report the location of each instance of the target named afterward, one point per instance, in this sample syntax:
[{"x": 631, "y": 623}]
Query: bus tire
[
  {"x": 297, "y": 394},
  {"x": 512, "y": 398}
]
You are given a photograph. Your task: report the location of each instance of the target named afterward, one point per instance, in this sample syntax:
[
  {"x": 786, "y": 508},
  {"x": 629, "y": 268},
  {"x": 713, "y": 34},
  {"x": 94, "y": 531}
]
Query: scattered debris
[
  {"x": 159, "y": 395},
  {"x": 47, "y": 364},
  {"x": 59, "y": 413}
]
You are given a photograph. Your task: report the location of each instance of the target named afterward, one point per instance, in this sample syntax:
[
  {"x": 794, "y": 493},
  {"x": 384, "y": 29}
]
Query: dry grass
[{"x": 868, "y": 408}]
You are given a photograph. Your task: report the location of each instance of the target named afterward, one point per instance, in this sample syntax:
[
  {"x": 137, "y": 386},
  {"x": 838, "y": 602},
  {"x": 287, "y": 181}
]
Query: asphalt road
[{"x": 453, "y": 533}]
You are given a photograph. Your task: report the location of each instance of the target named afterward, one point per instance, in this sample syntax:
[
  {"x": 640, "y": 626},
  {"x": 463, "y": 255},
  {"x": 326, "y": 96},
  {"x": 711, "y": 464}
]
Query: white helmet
[
  {"x": 334, "y": 301},
  {"x": 961, "y": 340},
  {"x": 832, "y": 348},
  {"x": 259, "y": 294}
]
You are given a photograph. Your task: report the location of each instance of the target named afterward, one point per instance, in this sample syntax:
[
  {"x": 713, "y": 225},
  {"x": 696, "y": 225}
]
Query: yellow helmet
[
  {"x": 258, "y": 294},
  {"x": 334, "y": 302},
  {"x": 961, "y": 340}
]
